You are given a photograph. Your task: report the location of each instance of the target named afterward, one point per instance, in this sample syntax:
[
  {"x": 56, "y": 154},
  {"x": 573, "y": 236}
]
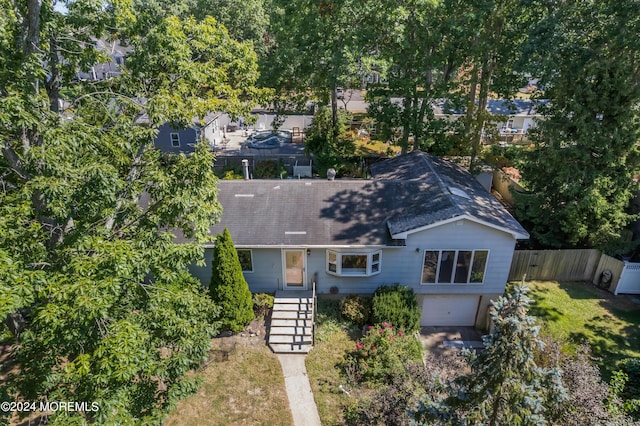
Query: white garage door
[{"x": 449, "y": 310}]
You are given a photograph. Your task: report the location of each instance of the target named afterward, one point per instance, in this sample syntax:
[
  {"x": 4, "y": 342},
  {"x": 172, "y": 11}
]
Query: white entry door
[
  {"x": 449, "y": 310},
  {"x": 295, "y": 265}
]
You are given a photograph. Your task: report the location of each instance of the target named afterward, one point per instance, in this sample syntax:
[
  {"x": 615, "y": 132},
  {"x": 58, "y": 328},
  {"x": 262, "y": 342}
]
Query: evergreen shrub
[
  {"x": 396, "y": 305},
  {"x": 228, "y": 288}
]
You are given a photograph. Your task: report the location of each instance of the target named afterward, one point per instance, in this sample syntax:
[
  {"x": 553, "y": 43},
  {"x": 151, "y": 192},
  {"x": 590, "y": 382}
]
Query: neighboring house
[
  {"x": 115, "y": 54},
  {"x": 421, "y": 221},
  {"x": 520, "y": 115},
  {"x": 173, "y": 139}
]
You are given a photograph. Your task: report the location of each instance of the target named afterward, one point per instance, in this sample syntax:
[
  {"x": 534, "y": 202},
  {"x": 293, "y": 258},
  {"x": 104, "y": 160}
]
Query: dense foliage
[
  {"x": 580, "y": 175},
  {"x": 505, "y": 385},
  {"x": 228, "y": 288},
  {"x": 88, "y": 207},
  {"x": 356, "y": 309},
  {"x": 382, "y": 352},
  {"x": 396, "y": 305},
  {"x": 262, "y": 304}
]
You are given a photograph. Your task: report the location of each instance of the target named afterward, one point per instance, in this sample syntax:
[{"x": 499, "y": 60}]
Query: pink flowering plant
[{"x": 383, "y": 351}]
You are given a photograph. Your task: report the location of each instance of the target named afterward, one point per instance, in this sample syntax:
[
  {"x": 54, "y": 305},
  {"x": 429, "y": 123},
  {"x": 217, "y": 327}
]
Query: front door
[{"x": 294, "y": 269}]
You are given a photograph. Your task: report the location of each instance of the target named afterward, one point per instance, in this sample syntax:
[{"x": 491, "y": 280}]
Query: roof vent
[
  {"x": 331, "y": 174},
  {"x": 459, "y": 192}
]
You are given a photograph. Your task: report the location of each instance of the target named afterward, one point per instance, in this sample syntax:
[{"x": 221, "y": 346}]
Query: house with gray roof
[
  {"x": 420, "y": 221},
  {"x": 520, "y": 115}
]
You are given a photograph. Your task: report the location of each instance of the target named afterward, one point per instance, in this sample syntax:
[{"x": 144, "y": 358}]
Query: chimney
[
  {"x": 331, "y": 174},
  {"x": 245, "y": 169}
]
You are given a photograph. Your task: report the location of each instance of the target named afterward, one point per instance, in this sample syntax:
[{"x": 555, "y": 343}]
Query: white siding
[{"x": 457, "y": 310}]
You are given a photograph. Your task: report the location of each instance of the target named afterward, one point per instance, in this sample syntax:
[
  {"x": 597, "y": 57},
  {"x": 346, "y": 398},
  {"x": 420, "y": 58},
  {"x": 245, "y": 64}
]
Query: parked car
[{"x": 339, "y": 93}]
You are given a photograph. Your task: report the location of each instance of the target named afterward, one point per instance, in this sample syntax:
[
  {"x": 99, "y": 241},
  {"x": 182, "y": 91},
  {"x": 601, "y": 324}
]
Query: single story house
[
  {"x": 421, "y": 221},
  {"x": 520, "y": 114}
]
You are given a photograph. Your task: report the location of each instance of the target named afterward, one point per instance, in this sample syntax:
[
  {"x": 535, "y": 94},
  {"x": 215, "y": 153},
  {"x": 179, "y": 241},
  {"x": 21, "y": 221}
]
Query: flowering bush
[{"x": 382, "y": 352}]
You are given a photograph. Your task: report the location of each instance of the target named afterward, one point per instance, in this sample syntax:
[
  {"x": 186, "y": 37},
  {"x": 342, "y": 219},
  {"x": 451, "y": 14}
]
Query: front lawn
[
  {"x": 245, "y": 389},
  {"x": 334, "y": 339},
  {"x": 578, "y": 312}
]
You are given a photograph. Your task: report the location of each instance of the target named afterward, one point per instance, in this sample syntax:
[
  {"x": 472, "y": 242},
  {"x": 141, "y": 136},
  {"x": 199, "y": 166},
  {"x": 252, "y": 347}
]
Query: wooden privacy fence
[
  {"x": 576, "y": 265},
  {"x": 562, "y": 265}
]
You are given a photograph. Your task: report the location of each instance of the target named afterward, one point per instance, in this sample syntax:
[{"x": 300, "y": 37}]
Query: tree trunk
[{"x": 334, "y": 113}]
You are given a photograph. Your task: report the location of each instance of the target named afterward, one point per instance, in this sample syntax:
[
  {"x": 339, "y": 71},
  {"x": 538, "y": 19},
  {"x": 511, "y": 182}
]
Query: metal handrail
[{"x": 313, "y": 313}]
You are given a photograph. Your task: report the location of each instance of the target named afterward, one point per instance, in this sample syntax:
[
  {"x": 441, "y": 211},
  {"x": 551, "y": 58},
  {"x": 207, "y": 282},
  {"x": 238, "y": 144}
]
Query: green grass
[
  {"x": 334, "y": 338},
  {"x": 579, "y": 312},
  {"x": 247, "y": 389}
]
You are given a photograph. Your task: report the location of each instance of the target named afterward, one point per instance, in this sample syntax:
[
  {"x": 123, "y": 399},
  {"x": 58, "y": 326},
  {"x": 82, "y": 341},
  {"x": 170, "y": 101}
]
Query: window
[
  {"x": 246, "y": 260},
  {"x": 175, "y": 140},
  {"x": 354, "y": 264},
  {"x": 454, "y": 266}
]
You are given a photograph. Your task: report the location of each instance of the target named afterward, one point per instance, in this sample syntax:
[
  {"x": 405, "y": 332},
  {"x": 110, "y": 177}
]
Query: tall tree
[
  {"x": 504, "y": 386},
  {"x": 228, "y": 288},
  {"x": 316, "y": 48},
  {"x": 579, "y": 177},
  {"x": 421, "y": 53},
  {"x": 87, "y": 205},
  {"x": 495, "y": 33},
  {"x": 246, "y": 20}
]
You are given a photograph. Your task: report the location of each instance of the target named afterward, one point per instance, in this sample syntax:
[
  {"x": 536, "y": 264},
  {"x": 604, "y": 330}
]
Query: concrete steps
[
  {"x": 291, "y": 328},
  {"x": 292, "y": 315}
]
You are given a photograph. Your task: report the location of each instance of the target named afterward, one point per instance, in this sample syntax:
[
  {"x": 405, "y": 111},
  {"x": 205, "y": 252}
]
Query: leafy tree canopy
[
  {"x": 580, "y": 175},
  {"x": 86, "y": 203}
]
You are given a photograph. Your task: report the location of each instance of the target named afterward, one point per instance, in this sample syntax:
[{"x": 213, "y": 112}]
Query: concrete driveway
[{"x": 450, "y": 339}]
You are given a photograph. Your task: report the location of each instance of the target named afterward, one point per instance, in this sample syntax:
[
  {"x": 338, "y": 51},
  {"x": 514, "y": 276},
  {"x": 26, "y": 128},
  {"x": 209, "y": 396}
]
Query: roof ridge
[{"x": 441, "y": 183}]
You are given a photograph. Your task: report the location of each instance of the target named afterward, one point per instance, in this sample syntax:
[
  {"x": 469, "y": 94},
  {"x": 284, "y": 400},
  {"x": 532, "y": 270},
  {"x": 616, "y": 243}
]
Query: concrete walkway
[{"x": 303, "y": 406}]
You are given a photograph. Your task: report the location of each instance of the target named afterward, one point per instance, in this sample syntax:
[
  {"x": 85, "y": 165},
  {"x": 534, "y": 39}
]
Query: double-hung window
[
  {"x": 175, "y": 140},
  {"x": 354, "y": 264},
  {"x": 454, "y": 266}
]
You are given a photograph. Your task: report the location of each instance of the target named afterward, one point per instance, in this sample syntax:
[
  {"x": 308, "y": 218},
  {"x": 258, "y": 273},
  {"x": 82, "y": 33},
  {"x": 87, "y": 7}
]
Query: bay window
[{"x": 353, "y": 264}]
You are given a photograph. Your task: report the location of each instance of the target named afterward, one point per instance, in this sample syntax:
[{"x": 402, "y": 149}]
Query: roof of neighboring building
[
  {"x": 408, "y": 193},
  {"x": 514, "y": 107},
  {"x": 197, "y": 121}
]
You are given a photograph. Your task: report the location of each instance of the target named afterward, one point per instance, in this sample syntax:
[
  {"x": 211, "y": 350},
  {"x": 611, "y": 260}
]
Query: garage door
[{"x": 449, "y": 310}]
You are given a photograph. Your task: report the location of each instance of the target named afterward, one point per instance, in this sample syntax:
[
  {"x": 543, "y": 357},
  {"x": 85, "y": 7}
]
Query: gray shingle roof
[
  {"x": 446, "y": 191},
  {"x": 406, "y": 193}
]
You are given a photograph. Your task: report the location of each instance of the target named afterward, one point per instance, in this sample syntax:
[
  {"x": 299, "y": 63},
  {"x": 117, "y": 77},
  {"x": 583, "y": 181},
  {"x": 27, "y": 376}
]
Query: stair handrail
[{"x": 313, "y": 312}]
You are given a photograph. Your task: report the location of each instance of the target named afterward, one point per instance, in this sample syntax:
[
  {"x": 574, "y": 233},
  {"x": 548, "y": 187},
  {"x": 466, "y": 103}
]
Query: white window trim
[
  {"x": 251, "y": 256},
  {"x": 455, "y": 262},
  {"x": 369, "y": 268},
  {"x": 177, "y": 138}
]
